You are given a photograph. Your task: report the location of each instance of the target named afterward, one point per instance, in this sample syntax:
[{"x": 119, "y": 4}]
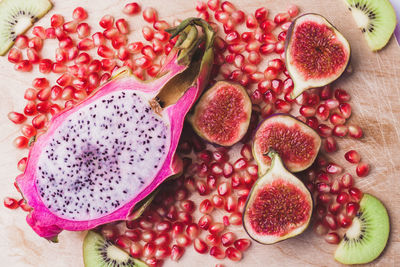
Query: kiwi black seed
[
  {"x": 17, "y": 16},
  {"x": 366, "y": 238},
  {"x": 375, "y": 18},
  {"x": 98, "y": 252}
]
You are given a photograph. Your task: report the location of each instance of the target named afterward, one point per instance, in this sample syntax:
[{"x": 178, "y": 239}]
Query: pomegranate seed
[
  {"x": 332, "y": 103},
  {"x": 105, "y": 52},
  {"x": 183, "y": 240},
  {"x": 131, "y": 8},
  {"x": 106, "y": 21},
  {"x": 261, "y": 13},
  {"x": 332, "y": 238},
  {"x": 122, "y": 26},
  {"x": 30, "y": 108},
  {"x": 66, "y": 43},
  {"x": 235, "y": 218},
  {"x": 335, "y": 187},
  {"x": 21, "y": 142},
  {"x": 333, "y": 168},
  {"x": 307, "y": 111},
  {"x": 60, "y": 34},
  {"x": 10, "y": 203},
  {"x": 83, "y": 30},
  {"x": 79, "y": 14},
  {"x": 346, "y": 180},
  {"x": 282, "y": 106},
  {"x": 16, "y": 117},
  {"x": 362, "y": 169},
  {"x": 28, "y": 130},
  {"x": 163, "y": 226},
  {"x": 237, "y": 17},
  {"x": 230, "y": 204},
  {"x": 221, "y": 16},
  {"x": 177, "y": 228},
  {"x": 340, "y": 130},
  {"x": 213, "y": 4},
  {"x": 352, "y": 208},
  {"x": 224, "y": 189},
  {"x": 70, "y": 26},
  {"x": 162, "y": 240},
  {"x": 32, "y": 55},
  {"x": 123, "y": 242},
  {"x": 213, "y": 240},
  {"x": 176, "y": 252},
  {"x": 267, "y": 48},
  {"x": 342, "y": 95},
  {"x": 336, "y": 119},
  {"x": 344, "y": 221},
  {"x": 200, "y": 246},
  {"x": 192, "y": 230},
  {"x": 227, "y": 170},
  {"x": 45, "y": 65},
  {"x": 355, "y": 131},
  {"x": 43, "y": 107},
  {"x": 330, "y": 221},
  {"x": 324, "y": 130},
  {"x": 270, "y": 73},
  {"x": 246, "y": 152},
  {"x": 242, "y": 244},
  {"x": 320, "y": 228},
  {"x": 149, "y": 14},
  {"x": 323, "y": 187},
  {"x": 293, "y": 11},
  {"x": 324, "y": 197},
  {"x": 225, "y": 220},
  {"x": 152, "y": 262},
  {"x": 35, "y": 43},
  {"x": 227, "y": 239},
  {"x": 342, "y": 198},
  {"x": 251, "y": 22},
  {"x": 206, "y": 207},
  {"x": 233, "y": 254},
  {"x": 345, "y": 110},
  {"x": 15, "y": 55},
  {"x": 185, "y": 217},
  {"x": 355, "y": 193},
  {"x": 149, "y": 249},
  {"x": 64, "y": 79},
  {"x": 136, "y": 250},
  {"x": 352, "y": 156},
  {"x": 148, "y": 235},
  {"x": 217, "y": 252},
  {"x": 330, "y": 145},
  {"x": 334, "y": 207},
  {"x": 205, "y": 222},
  {"x": 277, "y": 86},
  {"x": 21, "y": 165},
  {"x": 216, "y": 228},
  {"x": 217, "y": 201}
]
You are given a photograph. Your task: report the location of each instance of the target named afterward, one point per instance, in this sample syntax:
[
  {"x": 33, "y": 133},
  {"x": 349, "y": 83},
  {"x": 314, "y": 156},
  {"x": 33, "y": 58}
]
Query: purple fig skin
[
  {"x": 287, "y": 43},
  {"x": 49, "y": 224}
]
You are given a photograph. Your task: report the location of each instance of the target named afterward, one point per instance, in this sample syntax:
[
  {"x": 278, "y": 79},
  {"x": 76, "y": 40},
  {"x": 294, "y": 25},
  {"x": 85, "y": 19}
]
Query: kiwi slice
[
  {"x": 17, "y": 16},
  {"x": 368, "y": 234},
  {"x": 376, "y": 19},
  {"x": 98, "y": 252}
]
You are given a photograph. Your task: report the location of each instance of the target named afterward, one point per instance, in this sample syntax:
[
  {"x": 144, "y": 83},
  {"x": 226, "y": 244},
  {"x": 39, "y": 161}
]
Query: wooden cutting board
[{"x": 375, "y": 90}]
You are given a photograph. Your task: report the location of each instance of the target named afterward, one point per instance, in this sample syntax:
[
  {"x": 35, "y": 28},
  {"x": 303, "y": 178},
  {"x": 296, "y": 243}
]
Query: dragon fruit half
[{"x": 99, "y": 159}]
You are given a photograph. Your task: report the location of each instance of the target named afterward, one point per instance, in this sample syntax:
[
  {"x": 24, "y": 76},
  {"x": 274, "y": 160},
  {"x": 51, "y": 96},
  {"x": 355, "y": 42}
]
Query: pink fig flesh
[
  {"x": 297, "y": 143},
  {"x": 222, "y": 115}
]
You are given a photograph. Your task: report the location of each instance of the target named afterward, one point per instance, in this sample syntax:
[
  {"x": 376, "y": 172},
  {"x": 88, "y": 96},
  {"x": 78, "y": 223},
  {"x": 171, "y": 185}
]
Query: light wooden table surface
[{"x": 375, "y": 90}]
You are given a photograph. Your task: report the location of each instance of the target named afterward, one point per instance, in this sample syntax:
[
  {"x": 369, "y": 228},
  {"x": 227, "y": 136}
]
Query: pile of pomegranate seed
[{"x": 253, "y": 57}]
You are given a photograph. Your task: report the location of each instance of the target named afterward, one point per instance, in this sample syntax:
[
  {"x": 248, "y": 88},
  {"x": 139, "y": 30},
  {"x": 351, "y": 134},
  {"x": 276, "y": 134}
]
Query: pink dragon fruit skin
[{"x": 48, "y": 223}]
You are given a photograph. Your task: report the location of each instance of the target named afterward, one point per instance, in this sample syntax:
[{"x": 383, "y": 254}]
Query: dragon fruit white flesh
[{"x": 99, "y": 159}]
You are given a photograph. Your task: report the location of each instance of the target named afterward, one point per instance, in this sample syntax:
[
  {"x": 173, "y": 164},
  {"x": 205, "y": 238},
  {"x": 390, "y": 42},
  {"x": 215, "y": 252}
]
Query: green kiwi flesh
[
  {"x": 17, "y": 16},
  {"x": 98, "y": 252},
  {"x": 376, "y": 19},
  {"x": 367, "y": 236}
]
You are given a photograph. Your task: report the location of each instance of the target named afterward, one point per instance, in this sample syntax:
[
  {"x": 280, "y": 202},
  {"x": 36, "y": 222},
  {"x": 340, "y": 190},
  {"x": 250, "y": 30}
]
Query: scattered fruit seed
[
  {"x": 242, "y": 244},
  {"x": 332, "y": 238},
  {"x": 233, "y": 254},
  {"x": 355, "y": 193},
  {"x": 228, "y": 238},
  {"x": 362, "y": 169},
  {"x": 352, "y": 156},
  {"x": 10, "y": 203},
  {"x": 200, "y": 246}
]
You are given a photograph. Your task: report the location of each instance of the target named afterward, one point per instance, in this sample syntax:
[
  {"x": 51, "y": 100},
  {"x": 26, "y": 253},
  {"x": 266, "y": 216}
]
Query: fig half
[
  {"x": 316, "y": 53},
  {"x": 278, "y": 207},
  {"x": 296, "y": 142},
  {"x": 222, "y": 115}
]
